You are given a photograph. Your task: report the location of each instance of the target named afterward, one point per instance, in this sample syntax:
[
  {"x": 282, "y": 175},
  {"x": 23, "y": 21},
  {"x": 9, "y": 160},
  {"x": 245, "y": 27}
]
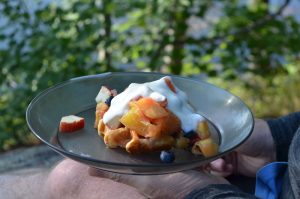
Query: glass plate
[{"x": 230, "y": 121}]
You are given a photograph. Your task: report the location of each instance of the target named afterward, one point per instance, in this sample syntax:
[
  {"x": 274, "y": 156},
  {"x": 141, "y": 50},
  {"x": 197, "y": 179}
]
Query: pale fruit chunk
[
  {"x": 207, "y": 147},
  {"x": 71, "y": 123},
  {"x": 103, "y": 94},
  {"x": 182, "y": 142},
  {"x": 203, "y": 130}
]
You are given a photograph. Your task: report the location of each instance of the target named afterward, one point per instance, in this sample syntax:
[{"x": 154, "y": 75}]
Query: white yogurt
[{"x": 159, "y": 91}]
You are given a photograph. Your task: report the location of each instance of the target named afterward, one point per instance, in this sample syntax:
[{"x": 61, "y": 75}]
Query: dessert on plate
[{"x": 152, "y": 116}]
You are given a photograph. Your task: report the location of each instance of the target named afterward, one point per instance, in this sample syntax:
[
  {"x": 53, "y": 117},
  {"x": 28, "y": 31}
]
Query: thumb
[
  {"x": 123, "y": 178},
  {"x": 145, "y": 184}
]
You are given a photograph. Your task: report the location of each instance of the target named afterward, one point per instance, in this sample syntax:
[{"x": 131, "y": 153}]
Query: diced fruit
[
  {"x": 114, "y": 92},
  {"x": 153, "y": 131},
  {"x": 134, "y": 120},
  {"x": 108, "y": 100},
  {"x": 195, "y": 138},
  {"x": 196, "y": 149},
  {"x": 167, "y": 156},
  {"x": 150, "y": 108},
  {"x": 208, "y": 147},
  {"x": 169, "y": 124},
  {"x": 189, "y": 134},
  {"x": 170, "y": 84},
  {"x": 71, "y": 123},
  {"x": 182, "y": 142},
  {"x": 203, "y": 130},
  {"x": 103, "y": 94},
  {"x": 101, "y": 108}
]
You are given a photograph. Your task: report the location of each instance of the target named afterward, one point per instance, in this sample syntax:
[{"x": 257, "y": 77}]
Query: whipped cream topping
[{"x": 159, "y": 91}]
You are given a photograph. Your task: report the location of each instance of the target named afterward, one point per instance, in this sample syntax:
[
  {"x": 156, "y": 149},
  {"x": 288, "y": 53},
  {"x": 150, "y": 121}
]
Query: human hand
[
  {"x": 176, "y": 185},
  {"x": 257, "y": 151}
]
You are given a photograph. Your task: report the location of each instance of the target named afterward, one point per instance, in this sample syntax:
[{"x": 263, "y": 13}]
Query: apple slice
[
  {"x": 103, "y": 94},
  {"x": 71, "y": 123}
]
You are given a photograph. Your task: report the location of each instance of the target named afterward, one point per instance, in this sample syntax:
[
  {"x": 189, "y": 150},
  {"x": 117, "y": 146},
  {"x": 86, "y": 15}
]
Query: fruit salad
[{"x": 153, "y": 116}]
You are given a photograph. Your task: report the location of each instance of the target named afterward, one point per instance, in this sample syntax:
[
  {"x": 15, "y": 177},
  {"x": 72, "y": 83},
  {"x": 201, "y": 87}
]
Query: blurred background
[{"x": 249, "y": 47}]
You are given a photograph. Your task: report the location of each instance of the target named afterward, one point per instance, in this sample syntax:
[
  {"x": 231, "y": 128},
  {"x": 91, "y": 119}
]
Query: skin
[
  {"x": 256, "y": 152},
  {"x": 23, "y": 184},
  {"x": 70, "y": 179},
  {"x": 176, "y": 185},
  {"x": 67, "y": 180}
]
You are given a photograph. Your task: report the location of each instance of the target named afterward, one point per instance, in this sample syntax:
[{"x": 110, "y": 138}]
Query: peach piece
[
  {"x": 208, "y": 147},
  {"x": 150, "y": 108},
  {"x": 135, "y": 120},
  {"x": 169, "y": 124},
  {"x": 203, "y": 130}
]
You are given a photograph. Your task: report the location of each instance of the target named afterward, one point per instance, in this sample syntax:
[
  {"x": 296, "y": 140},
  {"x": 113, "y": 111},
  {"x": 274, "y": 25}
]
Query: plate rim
[{"x": 76, "y": 156}]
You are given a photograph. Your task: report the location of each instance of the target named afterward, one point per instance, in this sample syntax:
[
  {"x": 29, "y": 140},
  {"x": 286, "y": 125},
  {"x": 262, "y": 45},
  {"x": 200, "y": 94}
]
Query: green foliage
[
  {"x": 266, "y": 101},
  {"x": 49, "y": 43}
]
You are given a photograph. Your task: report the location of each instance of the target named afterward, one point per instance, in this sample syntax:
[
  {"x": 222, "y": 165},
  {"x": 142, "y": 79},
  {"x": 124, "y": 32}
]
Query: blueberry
[
  {"x": 167, "y": 156},
  {"x": 195, "y": 138},
  {"x": 108, "y": 100},
  {"x": 189, "y": 134}
]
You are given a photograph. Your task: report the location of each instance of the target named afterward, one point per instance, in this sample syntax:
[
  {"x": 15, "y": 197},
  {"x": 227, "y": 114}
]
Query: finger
[
  {"x": 260, "y": 142},
  {"x": 148, "y": 186},
  {"x": 223, "y": 166},
  {"x": 218, "y": 165},
  {"x": 224, "y": 173},
  {"x": 105, "y": 174}
]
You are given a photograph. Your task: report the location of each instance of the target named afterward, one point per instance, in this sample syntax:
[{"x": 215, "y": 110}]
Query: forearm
[
  {"x": 283, "y": 130},
  {"x": 23, "y": 184}
]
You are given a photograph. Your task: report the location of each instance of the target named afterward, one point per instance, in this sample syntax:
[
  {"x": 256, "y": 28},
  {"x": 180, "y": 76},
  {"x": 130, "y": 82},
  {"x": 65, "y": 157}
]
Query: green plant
[{"x": 50, "y": 43}]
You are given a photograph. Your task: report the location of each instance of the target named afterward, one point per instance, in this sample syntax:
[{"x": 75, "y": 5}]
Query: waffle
[
  {"x": 137, "y": 142},
  {"x": 139, "y": 120}
]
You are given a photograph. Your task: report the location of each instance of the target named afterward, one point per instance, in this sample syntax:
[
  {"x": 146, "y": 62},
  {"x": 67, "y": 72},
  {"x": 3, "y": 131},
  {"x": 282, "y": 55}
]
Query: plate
[{"x": 231, "y": 122}]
